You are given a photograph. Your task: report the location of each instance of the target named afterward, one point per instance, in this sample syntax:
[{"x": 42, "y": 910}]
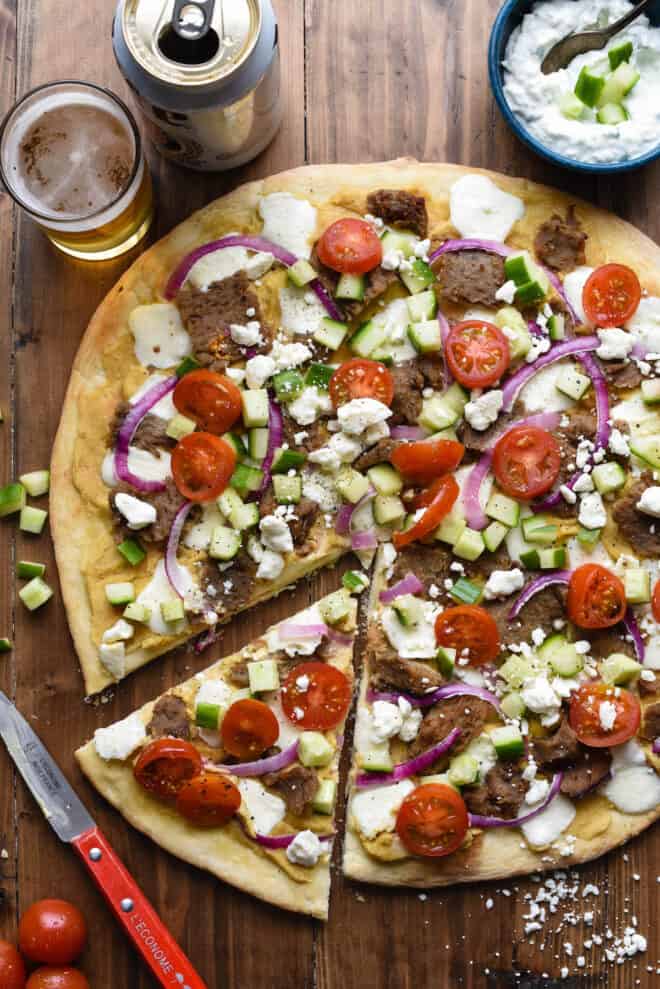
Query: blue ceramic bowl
[{"x": 507, "y": 20}]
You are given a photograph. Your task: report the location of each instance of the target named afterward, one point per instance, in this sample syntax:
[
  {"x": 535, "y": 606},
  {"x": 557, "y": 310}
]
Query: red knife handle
[{"x": 136, "y": 915}]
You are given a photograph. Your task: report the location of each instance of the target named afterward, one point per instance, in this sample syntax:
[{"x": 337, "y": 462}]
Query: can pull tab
[{"x": 191, "y": 19}]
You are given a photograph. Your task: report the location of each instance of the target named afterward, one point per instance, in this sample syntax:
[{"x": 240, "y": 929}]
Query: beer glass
[{"x": 71, "y": 157}]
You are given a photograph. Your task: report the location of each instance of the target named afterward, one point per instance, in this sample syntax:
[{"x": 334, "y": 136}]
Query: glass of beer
[{"x": 71, "y": 157}]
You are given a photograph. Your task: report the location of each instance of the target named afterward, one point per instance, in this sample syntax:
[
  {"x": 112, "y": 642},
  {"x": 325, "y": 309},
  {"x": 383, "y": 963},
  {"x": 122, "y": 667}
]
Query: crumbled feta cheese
[
  {"x": 121, "y": 630},
  {"x": 540, "y": 345},
  {"x": 537, "y": 792},
  {"x": 568, "y": 494},
  {"x": 326, "y": 458},
  {"x": 386, "y": 721},
  {"x": 379, "y": 431},
  {"x": 592, "y": 514},
  {"x": 374, "y": 810},
  {"x": 649, "y": 503},
  {"x": 120, "y": 740},
  {"x": 615, "y": 344},
  {"x": 618, "y": 443},
  {"x": 607, "y": 715},
  {"x": 137, "y": 513},
  {"x": 258, "y": 370},
  {"x": 270, "y": 566},
  {"x": 236, "y": 374},
  {"x": 357, "y": 415},
  {"x": 309, "y": 405},
  {"x": 392, "y": 260},
  {"x": 305, "y": 849},
  {"x": 347, "y": 448},
  {"x": 275, "y": 534},
  {"x": 507, "y": 292},
  {"x": 417, "y": 641},
  {"x": 583, "y": 484},
  {"x": 411, "y": 720},
  {"x": 289, "y": 355},
  {"x": 248, "y": 335},
  {"x": 483, "y": 411},
  {"x": 539, "y": 697},
  {"x": 502, "y": 583},
  {"x": 112, "y": 656}
]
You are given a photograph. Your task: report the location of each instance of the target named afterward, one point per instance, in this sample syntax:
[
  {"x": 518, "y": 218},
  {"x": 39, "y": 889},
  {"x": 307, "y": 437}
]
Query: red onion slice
[
  {"x": 364, "y": 540},
  {"x": 632, "y": 628},
  {"x": 410, "y": 584},
  {"x": 343, "y": 521},
  {"x": 441, "y": 693},
  {"x": 341, "y": 638},
  {"x": 206, "y": 639},
  {"x": 536, "y": 585},
  {"x": 275, "y": 436},
  {"x": 478, "y": 821},
  {"x": 277, "y": 841},
  {"x": 410, "y": 768},
  {"x": 295, "y": 630},
  {"x": 175, "y": 573},
  {"x": 656, "y": 747},
  {"x": 259, "y": 767},
  {"x": 127, "y": 431},
  {"x": 407, "y": 433},
  {"x": 578, "y": 345}
]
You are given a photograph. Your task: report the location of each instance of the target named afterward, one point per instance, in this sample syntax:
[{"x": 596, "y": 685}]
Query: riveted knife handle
[{"x": 136, "y": 915}]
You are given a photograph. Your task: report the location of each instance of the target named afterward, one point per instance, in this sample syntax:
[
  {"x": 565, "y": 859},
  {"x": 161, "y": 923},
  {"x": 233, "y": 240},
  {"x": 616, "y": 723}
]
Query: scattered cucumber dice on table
[
  {"x": 26, "y": 570},
  {"x": 35, "y": 594},
  {"x": 12, "y": 499},
  {"x": 32, "y": 520},
  {"x": 36, "y": 482}
]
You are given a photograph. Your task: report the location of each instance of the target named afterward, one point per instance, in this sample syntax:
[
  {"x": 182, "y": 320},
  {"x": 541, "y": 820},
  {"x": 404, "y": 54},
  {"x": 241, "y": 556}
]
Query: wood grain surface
[{"x": 362, "y": 82}]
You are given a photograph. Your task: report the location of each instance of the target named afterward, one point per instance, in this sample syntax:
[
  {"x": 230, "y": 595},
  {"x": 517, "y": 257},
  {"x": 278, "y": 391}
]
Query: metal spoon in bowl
[{"x": 587, "y": 41}]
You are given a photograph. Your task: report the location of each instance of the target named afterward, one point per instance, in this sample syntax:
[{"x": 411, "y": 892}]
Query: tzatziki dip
[{"x": 605, "y": 106}]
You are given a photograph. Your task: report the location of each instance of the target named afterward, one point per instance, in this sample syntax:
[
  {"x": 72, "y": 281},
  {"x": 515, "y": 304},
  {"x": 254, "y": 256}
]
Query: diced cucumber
[
  {"x": 418, "y": 278},
  {"x": 572, "y": 383},
  {"x": 589, "y": 86},
  {"x": 561, "y": 655},
  {"x": 651, "y": 391},
  {"x": 531, "y": 292},
  {"x": 255, "y": 407},
  {"x": 377, "y": 759},
  {"x": 494, "y": 535},
  {"x": 530, "y": 559},
  {"x": 32, "y": 520},
  {"x": 525, "y": 272},
  {"x": 399, "y": 240},
  {"x": 466, "y": 591},
  {"x": 351, "y": 485},
  {"x": 369, "y": 336},
  {"x": 510, "y": 320},
  {"x": 539, "y": 529},
  {"x": 12, "y": 499},
  {"x": 513, "y": 705},
  {"x": 647, "y": 448},
  {"x": 385, "y": 478},
  {"x": 350, "y": 287},
  {"x": 425, "y": 336},
  {"x": 263, "y": 674},
  {"x": 35, "y": 594},
  {"x": 620, "y": 53},
  {"x": 335, "y": 607},
  {"x": 408, "y": 609},
  {"x": 618, "y": 85},
  {"x": 619, "y": 668},
  {"x": 383, "y": 354},
  {"x": 240, "y": 515},
  {"x": 452, "y": 526},
  {"x": 225, "y": 543},
  {"x": 355, "y": 582},
  {"x": 187, "y": 365},
  {"x": 36, "y": 482},
  {"x": 571, "y": 106},
  {"x": 469, "y": 545},
  {"x": 445, "y": 660},
  {"x": 180, "y": 426},
  {"x": 323, "y": 801},
  {"x": 258, "y": 443},
  {"x": 319, "y": 375},
  {"x": 608, "y": 477},
  {"x": 301, "y": 273},
  {"x": 314, "y": 749},
  {"x": 208, "y": 716},
  {"x": 508, "y": 742},
  {"x": 456, "y": 397},
  {"x": 637, "y": 585},
  {"x": 131, "y": 551},
  {"x": 288, "y": 490},
  {"x": 437, "y": 414},
  {"x": 246, "y": 479},
  {"x": 120, "y": 592},
  {"x": 388, "y": 509},
  {"x": 172, "y": 611},
  {"x": 463, "y": 770},
  {"x": 288, "y": 386},
  {"x": 137, "y": 612},
  {"x": 515, "y": 670},
  {"x": 330, "y": 333},
  {"x": 6, "y": 645},
  {"x": 588, "y": 537},
  {"x": 423, "y": 306},
  {"x": 229, "y": 501},
  {"x": 556, "y": 326},
  {"x": 237, "y": 443},
  {"x": 26, "y": 570},
  {"x": 612, "y": 114},
  {"x": 286, "y": 460},
  {"x": 552, "y": 559},
  {"x": 503, "y": 509}
]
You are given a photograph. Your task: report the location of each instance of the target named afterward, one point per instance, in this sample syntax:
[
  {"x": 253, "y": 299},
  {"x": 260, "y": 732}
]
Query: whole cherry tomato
[
  {"x": 52, "y": 932},
  {"x": 12, "y": 967},
  {"x": 57, "y": 978}
]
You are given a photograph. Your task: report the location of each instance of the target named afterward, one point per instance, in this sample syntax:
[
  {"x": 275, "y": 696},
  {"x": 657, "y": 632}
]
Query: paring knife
[{"x": 71, "y": 822}]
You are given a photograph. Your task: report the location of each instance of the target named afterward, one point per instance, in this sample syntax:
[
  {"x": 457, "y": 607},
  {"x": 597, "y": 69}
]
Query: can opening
[{"x": 188, "y": 51}]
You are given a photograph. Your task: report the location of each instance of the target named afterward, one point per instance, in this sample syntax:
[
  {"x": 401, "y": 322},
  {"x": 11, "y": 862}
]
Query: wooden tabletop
[{"x": 362, "y": 81}]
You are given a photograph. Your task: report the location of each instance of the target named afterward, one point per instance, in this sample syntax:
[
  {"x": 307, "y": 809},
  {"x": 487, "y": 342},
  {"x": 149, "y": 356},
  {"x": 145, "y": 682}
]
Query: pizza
[{"x": 236, "y": 770}]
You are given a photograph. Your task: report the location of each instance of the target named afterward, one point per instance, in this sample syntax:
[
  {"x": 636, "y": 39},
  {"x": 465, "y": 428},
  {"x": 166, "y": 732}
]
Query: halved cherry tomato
[
  {"x": 471, "y": 631},
  {"x": 209, "y": 399},
  {"x": 437, "y": 501},
  {"x": 477, "y": 353},
  {"x": 202, "y": 466},
  {"x": 432, "y": 820},
  {"x": 423, "y": 462},
  {"x": 526, "y": 461},
  {"x": 360, "y": 378},
  {"x": 249, "y": 728},
  {"x": 588, "y": 718},
  {"x": 596, "y": 597},
  {"x": 52, "y": 932},
  {"x": 655, "y": 603},
  {"x": 208, "y": 800},
  {"x": 316, "y": 696},
  {"x": 12, "y": 967},
  {"x": 611, "y": 295},
  {"x": 57, "y": 978},
  {"x": 351, "y": 246},
  {"x": 165, "y": 765}
]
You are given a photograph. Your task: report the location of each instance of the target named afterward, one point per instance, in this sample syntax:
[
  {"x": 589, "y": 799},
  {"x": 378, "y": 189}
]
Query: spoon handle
[{"x": 628, "y": 18}]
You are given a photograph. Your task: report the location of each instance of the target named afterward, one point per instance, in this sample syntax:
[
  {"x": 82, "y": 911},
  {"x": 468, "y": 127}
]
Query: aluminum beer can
[{"x": 205, "y": 75}]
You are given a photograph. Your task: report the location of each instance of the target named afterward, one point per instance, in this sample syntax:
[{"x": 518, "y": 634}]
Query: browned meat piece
[
  {"x": 167, "y": 503},
  {"x": 581, "y": 424},
  {"x": 559, "y": 749},
  {"x": 390, "y": 672},
  {"x": 501, "y": 793},
  {"x": 408, "y": 386},
  {"x": 591, "y": 768},
  {"x": 208, "y": 315},
  {"x": 150, "y": 434},
  {"x": 296, "y": 785},
  {"x": 315, "y": 435},
  {"x": 231, "y": 588},
  {"x": 267, "y": 503},
  {"x": 642, "y": 531},
  {"x": 605, "y": 641},
  {"x": 477, "y": 441},
  {"x": 471, "y": 277},
  {"x": 376, "y": 284},
  {"x": 467, "y": 713},
  {"x": 433, "y": 371},
  {"x": 400, "y": 208},
  {"x": 651, "y": 723},
  {"x": 380, "y": 453},
  {"x": 560, "y": 243},
  {"x": 543, "y": 609},
  {"x": 169, "y": 718},
  {"x": 621, "y": 374},
  {"x": 649, "y": 688},
  {"x": 307, "y": 512},
  {"x": 429, "y": 563}
]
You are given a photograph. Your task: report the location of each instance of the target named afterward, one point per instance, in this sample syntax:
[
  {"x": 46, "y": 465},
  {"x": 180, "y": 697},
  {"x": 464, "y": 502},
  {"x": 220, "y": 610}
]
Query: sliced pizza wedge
[
  {"x": 236, "y": 769},
  {"x": 496, "y": 737}
]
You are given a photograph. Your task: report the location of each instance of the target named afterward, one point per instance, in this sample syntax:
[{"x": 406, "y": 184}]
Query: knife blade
[{"x": 71, "y": 821}]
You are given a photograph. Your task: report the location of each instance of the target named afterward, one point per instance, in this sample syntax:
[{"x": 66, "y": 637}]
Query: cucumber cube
[
  {"x": 301, "y": 273},
  {"x": 36, "y": 483},
  {"x": 12, "y": 499},
  {"x": 552, "y": 559},
  {"x": 263, "y": 674},
  {"x": 27, "y": 570},
  {"x": 608, "y": 477},
  {"x": 131, "y": 551},
  {"x": 172, "y": 610},
  {"x": 314, "y": 749},
  {"x": 122, "y": 592},
  {"x": 258, "y": 443},
  {"x": 408, "y": 609},
  {"x": 335, "y": 607},
  {"x": 237, "y": 443},
  {"x": 513, "y": 705},
  {"x": 324, "y": 799},
  {"x": 385, "y": 479},
  {"x": 137, "y": 612},
  {"x": 422, "y": 306},
  {"x": 246, "y": 479},
  {"x": 588, "y": 537},
  {"x": 288, "y": 490},
  {"x": 515, "y": 671},
  {"x": 445, "y": 660},
  {"x": 572, "y": 383},
  {"x": 647, "y": 448},
  {"x": 319, "y": 376},
  {"x": 351, "y": 485},
  {"x": 620, "y": 53},
  {"x": 355, "y": 582},
  {"x": 425, "y": 336},
  {"x": 330, "y": 333},
  {"x": 612, "y": 114},
  {"x": 651, "y": 391},
  {"x": 225, "y": 543},
  {"x": 619, "y": 668},
  {"x": 494, "y": 535},
  {"x": 637, "y": 585},
  {"x": 288, "y": 385},
  {"x": 286, "y": 460},
  {"x": 350, "y": 287},
  {"x": 589, "y": 87},
  {"x": 368, "y": 337},
  {"x": 503, "y": 509},
  {"x": 418, "y": 277},
  {"x": 255, "y": 407},
  {"x": 469, "y": 545},
  {"x": 208, "y": 716},
  {"x": 466, "y": 591},
  {"x": 32, "y": 520},
  {"x": 463, "y": 770},
  {"x": 437, "y": 414},
  {"x": 35, "y": 594},
  {"x": 508, "y": 742},
  {"x": 571, "y": 107},
  {"x": 187, "y": 365},
  {"x": 377, "y": 759},
  {"x": 180, "y": 426},
  {"x": 388, "y": 509},
  {"x": 452, "y": 526}
]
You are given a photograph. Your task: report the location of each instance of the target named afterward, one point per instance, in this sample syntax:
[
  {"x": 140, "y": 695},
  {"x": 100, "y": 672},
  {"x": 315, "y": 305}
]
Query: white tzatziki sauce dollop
[{"x": 535, "y": 97}]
